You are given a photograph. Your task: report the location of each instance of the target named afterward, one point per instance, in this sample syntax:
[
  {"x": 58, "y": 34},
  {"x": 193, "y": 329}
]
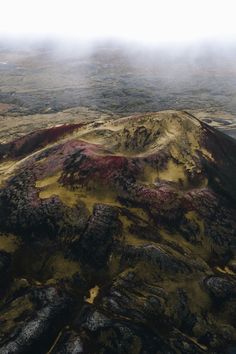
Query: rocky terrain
[
  {"x": 222, "y": 120},
  {"x": 44, "y": 84},
  {"x": 117, "y": 235}
]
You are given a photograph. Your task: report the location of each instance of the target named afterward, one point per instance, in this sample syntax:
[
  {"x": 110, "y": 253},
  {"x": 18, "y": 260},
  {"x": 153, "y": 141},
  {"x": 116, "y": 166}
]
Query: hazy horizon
[
  {"x": 119, "y": 57},
  {"x": 146, "y": 22}
]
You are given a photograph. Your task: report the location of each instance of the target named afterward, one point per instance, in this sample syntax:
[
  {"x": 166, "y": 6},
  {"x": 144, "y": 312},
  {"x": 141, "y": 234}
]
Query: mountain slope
[{"x": 130, "y": 224}]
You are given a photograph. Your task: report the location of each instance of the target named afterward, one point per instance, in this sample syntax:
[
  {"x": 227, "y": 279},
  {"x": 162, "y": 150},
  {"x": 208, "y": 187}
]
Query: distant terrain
[{"x": 118, "y": 80}]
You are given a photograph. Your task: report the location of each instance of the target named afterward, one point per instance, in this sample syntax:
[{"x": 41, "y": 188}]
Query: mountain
[{"x": 118, "y": 236}]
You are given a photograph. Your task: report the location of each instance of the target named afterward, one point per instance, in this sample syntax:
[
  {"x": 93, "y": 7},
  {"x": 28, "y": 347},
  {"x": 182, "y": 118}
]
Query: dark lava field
[{"x": 118, "y": 236}]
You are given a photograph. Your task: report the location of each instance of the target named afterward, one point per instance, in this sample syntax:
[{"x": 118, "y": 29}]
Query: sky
[{"x": 148, "y": 21}]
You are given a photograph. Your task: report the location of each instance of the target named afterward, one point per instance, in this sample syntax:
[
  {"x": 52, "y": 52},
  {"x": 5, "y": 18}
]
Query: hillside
[{"x": 117, "y": 235}]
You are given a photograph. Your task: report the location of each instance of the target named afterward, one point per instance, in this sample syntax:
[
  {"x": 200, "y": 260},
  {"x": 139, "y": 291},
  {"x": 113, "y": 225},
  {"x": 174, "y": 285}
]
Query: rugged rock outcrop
[
  {"x": 29, "y": 322},
  {"x": 221, "y": 288},
  {"x": 94, "y": 246},
  {"x": 5, "y": 263}
]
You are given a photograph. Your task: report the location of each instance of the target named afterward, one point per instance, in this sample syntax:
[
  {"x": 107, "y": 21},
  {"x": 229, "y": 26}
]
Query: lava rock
[
  {"x": 38, "y": 323},
  {"x": 220, "y": 288},
  {"x": 69, "y": 343},
  {"x": 96, "y": 242},
  {"x": 155, "y": 255},
  {"x": 5, "y": 263}
]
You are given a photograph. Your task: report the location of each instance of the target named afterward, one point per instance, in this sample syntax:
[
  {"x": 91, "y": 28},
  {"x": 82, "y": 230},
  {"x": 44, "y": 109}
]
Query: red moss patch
[{"x": 36, "y": 140}]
